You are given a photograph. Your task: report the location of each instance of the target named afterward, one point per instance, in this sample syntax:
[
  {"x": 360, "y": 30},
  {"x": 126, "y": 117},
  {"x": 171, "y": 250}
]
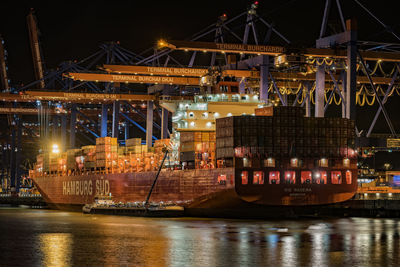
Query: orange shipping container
[
  {"x": 199, "y": 146},
  {"x": 212, "y": 137},
  {"x": 133, "y": 142},
  {"x": 107, "y": 155},
  {"x": 265, "y": 111},
  {"x": 106, "y": 148},
  {"x": 205, "y": 136},
  {"x": 106, "y": 141},
  {"x": 197, "y": 136}
]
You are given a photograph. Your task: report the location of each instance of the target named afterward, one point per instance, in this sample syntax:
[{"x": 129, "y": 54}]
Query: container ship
[{"x": 226, "y": 150}]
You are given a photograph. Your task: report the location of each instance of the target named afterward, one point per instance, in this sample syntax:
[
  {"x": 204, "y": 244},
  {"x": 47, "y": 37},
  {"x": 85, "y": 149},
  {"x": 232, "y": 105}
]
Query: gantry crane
[{"x": 324, "y": 51}]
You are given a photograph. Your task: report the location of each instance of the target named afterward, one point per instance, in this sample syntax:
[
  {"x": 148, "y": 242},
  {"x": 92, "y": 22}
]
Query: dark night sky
[{"x": 74, "y": 29}]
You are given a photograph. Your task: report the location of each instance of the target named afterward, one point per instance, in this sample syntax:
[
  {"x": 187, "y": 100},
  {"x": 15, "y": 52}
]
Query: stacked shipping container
[
  {"x": 51, "y": 162},
  {"x": 131, "y": 156},
  {"x": 43, "y": 162},
  {"x": 106, "y": 152},
  {"x": 286, "y": 134},
  {"x": 89, "y": 157},
  {"x": 105, "y": 155},
  {"x": 71, "y": 158},
  {"x": 197, "y": 149}
]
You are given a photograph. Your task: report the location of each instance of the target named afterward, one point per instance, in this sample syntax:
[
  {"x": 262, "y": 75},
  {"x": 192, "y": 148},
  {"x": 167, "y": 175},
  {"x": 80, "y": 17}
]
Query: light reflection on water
[
  {"x": 56, "y": 248},
  {"x": 54, "y": 238}
]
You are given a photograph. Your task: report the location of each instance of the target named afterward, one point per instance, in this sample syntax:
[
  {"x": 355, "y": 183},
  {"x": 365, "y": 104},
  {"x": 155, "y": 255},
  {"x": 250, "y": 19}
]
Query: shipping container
[
  {"x": 133, "y": 142},
  {"x": 106, "y": 141},
  {"x": 265, "y": 111}
]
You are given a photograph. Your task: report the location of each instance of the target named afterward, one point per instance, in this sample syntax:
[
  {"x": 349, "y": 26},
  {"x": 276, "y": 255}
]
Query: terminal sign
[{"x": 393, "y": 142}]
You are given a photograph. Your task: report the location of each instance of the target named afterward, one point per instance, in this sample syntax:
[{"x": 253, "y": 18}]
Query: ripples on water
[{"x": 54, "y": 238}]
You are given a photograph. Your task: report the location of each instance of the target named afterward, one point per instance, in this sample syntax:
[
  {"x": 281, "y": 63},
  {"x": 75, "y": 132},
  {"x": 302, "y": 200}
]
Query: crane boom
[
  {"x": 36, "y": 53},
  {"x": 190, "y": 72},
  {"x": 3, "y": 68},
  {"x": 26, "y": 111},
  {"x": 88, "y": 98},
  {"x": 224, "y": 47},
  {"x": 129, "y": 69},
  {"x": 120, "y": 78},
  {"x": 274, "y": 50},
  {"x": 254, "y": 74}
]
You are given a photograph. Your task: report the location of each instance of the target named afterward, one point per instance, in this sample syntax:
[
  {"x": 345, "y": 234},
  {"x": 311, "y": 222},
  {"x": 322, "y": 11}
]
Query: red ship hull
[
  {"x": 177, "y": 186},
  {"x": 201, "y": 189},
  {"x": 297, "y": 194}
]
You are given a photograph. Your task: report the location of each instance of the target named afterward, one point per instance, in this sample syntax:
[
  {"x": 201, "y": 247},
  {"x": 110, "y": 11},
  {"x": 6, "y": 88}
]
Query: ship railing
[
  {"x": 377, "y": 196},
  {"x": 29, "y": 195},
  {"x": 98, "y": 170}
]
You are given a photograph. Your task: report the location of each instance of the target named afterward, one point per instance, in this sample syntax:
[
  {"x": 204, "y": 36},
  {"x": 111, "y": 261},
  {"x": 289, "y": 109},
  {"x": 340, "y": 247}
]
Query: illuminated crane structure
[
  {"x": 5, "y": 87},
  {"x": 259, "y": 59},
  {"x": 35, "y": 48}
]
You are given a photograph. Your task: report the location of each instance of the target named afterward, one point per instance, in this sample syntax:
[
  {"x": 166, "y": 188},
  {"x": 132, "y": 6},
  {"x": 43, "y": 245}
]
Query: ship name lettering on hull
[
  {"x": 300, "y": 190},
  {"x": 86, "y": 188}
]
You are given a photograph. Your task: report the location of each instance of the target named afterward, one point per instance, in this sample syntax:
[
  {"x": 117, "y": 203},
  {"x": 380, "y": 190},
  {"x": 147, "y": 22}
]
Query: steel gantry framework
[{"x": 337, "y": 70}]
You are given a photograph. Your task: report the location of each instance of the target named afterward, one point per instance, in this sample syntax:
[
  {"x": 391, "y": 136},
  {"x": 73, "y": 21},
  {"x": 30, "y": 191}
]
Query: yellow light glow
[
  {"x": 161, "y": 43},
  {"x": 55, "y": 149}
]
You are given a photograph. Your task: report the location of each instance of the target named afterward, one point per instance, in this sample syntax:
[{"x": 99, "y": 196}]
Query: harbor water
[{"x": 32, "y": 237}]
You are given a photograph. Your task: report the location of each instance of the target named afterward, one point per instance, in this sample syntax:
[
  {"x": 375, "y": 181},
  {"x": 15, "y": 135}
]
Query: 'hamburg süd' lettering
[{"x": 86, "y": 188}]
